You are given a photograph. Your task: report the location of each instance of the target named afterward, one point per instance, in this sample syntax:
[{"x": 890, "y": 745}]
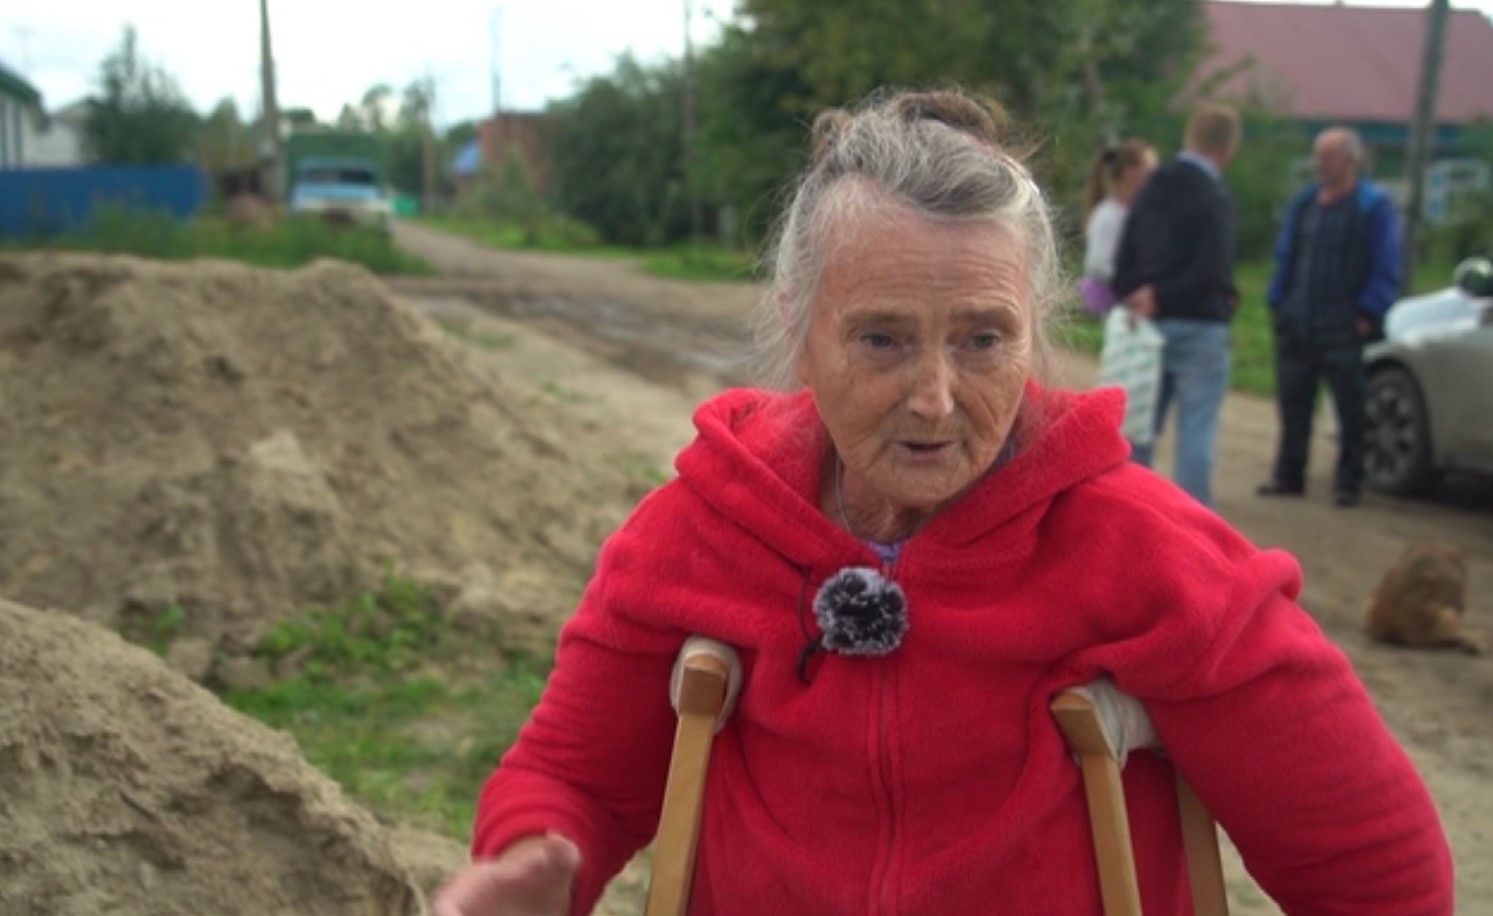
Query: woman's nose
[{"x": 932, "y": 396}]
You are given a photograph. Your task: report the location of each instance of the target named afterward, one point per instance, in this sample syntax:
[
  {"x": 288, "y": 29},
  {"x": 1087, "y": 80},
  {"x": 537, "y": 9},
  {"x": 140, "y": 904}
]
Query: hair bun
[
  {"x": 828, "y": 125},
  {"x": 979, "y": 117}
]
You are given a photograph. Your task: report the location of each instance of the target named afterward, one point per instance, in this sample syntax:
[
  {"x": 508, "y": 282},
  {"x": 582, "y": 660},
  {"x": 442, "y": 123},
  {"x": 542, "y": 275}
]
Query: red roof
[{"x": 1351, "y": 63}]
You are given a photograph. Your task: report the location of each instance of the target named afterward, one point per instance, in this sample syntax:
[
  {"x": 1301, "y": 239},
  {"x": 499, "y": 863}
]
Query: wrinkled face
[
  {"x": 919, "y": 344},
  {"x": 1334, "y": 163}
]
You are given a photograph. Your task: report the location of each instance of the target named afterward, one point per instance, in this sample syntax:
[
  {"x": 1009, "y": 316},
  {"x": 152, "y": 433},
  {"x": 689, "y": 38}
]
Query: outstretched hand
[{"x": 530, "y": 878}]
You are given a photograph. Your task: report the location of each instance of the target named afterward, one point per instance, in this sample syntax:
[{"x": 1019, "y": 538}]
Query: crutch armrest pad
[
  {"x": 705, "y": 656},
  {"x": 1120, "y": 723}
]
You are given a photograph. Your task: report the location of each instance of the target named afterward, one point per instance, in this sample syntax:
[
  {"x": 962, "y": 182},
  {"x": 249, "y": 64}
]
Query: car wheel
[{"x": 1397, "y": 458}]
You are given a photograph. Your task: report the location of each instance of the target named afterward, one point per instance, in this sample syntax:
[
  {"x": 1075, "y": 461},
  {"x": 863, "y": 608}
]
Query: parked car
[
  {"x": 340, "y": 190},
  {"x": 1430, "y": 400}
]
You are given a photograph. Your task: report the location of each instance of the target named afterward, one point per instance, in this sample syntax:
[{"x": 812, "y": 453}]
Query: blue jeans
[{"x": 1194, "y": 373}]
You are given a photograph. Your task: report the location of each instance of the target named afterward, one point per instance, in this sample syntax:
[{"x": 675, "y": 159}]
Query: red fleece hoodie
[{"x": 933, "y": 780}]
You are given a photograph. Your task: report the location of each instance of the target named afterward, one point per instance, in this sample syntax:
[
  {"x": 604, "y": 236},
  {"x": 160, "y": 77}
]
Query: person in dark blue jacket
[
  {"x": 1176, "y": 265},
  {"x": 1337, "y": 271}
]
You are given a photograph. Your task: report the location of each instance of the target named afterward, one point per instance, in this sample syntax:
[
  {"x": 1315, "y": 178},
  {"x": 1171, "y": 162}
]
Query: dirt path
[{"x": 691, "y": 337}]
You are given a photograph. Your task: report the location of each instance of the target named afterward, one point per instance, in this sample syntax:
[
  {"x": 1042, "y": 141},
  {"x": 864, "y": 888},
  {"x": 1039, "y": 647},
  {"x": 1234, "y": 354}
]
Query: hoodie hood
[{"x": 759, "y": 456}]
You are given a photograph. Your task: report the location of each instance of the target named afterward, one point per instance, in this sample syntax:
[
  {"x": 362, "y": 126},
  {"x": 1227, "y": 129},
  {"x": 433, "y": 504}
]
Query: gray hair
[
  {"x": 936, "y": 153},
  {"x": 1351, "y": 143}
]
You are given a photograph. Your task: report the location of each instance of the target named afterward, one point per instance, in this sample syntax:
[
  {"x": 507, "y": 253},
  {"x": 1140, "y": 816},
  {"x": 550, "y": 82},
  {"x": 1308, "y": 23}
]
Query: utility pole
[
  {"x": 1422, "y": 136},
  {"x": 691, "y": 130},
  {"x": 427, "y": 146},
  {"x": 272, "y": 151},
  {"x": 493, "y": 49}
]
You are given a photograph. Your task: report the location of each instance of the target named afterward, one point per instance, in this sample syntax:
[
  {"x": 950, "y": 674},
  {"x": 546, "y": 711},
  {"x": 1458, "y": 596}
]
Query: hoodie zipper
[{"x": 883, "y": 891}]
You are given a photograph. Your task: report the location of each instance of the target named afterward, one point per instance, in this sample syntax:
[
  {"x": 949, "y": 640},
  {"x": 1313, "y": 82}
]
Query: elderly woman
[{"x": 904, "y": 762}]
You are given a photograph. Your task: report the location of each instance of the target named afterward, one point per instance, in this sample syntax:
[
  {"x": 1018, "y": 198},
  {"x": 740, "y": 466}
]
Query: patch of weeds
[
  {"x": 555, "y": 232},
  {"x": 155, "y": 631},
  {"x": 463, "y": 329},
  {"x": 561, "y": 393},
  {"x": 409, "y": 720},
  {"x": 283, "y": 243},
  {"x": 706, "y": 263},
  {"x": 381, "y": 632},
  {"x": 411, "y": 748}
]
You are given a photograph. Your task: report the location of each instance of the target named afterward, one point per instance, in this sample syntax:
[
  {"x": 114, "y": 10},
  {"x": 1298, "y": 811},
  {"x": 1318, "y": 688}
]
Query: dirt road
[{"x": 691, "y": 337}]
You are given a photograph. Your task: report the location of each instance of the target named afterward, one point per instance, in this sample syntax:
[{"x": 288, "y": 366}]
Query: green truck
[{"x": 338, "y": 176}]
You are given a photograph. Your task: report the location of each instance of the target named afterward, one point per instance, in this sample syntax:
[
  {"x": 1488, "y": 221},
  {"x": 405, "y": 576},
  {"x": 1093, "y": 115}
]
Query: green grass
[
  {"x": 1253, "y": 343},
  {"x": 283, "y": 244},
  {"x": 1253, "y": 346},
  {"x": 380, "y": 632},
  {"x": 685, "y": 261},
  {"x": 708, "y": 263},
  {"x": 563, "y": 237},
  {"x": 154, "y": 630},
  {"x": 406, "y": 715},
  {"x": 463, "y": 329},
  {"x": 414, "y": 749}
]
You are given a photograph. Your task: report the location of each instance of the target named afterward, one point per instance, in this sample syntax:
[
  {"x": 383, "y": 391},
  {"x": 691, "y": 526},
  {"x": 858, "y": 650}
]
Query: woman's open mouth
[{"x": 923, "y": 448}]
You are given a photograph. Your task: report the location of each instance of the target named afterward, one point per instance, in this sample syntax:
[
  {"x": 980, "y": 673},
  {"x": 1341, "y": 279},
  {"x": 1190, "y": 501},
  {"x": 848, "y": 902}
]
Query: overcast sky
[{"x": 328, "y": 52}]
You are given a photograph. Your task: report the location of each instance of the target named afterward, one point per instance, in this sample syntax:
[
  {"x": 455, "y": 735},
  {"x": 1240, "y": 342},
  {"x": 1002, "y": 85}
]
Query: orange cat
[{"x": 1421, "y": 600}]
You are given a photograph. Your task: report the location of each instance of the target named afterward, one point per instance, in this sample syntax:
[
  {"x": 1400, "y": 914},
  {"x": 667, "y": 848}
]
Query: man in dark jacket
[
  {"x": 1175, "y": 265},
  {"x": 1337, "y": 271}
]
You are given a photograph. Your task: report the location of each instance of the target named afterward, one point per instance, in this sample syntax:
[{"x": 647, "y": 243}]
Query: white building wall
[
  {"x": 12, "y": 134},
  {"x": 55, "y": 144}
]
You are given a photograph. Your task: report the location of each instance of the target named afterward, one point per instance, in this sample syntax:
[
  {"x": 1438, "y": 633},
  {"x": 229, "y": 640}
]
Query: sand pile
[
  {"x": 232, "y": 445},
  {"x": 126, "y": 788}
]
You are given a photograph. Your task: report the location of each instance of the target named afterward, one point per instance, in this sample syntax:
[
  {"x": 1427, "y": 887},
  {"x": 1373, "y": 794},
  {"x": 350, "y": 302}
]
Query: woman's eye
[
  {"x": 985, "y": 340},
  {"x": 878, "y": 341}
]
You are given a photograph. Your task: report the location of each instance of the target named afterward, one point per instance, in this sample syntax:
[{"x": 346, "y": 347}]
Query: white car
[{"x": 1430, "y": 400}]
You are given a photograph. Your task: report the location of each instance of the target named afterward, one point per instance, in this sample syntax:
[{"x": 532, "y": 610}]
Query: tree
[
  {"x": 370, "y": 113},
  {"x": 298, "y": 118},
  {"x": 141, "y": 115},
  {"x": 1261, "y": 180},
  {"x": 1078, "y": 70},
  {"x": 224, "y": 142},
  {"x": 459, "y": 134},
  {"x": 752, "y": 134},
  {"x": 416, "y": 105},
  {"x": 618, "y": 155}
]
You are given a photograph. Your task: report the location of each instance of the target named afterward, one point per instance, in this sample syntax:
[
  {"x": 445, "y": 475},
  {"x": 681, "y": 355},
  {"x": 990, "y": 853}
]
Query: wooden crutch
[
  {"x": 1098, "y": 721},
  {"x": 707, "y": 676}
]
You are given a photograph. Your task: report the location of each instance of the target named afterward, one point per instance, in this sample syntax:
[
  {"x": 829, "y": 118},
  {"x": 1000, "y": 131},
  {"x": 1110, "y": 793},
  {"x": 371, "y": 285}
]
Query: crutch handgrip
[{"x": 703, "y": 689}]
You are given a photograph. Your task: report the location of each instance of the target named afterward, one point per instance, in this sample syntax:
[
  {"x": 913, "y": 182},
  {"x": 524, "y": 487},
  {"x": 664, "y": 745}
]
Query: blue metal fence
[{"x": 40, "y": 202}]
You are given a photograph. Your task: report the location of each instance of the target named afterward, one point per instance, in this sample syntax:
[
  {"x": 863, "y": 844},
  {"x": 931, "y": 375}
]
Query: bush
[
  {"x": 285, "y": 243},
  {"x": 503, "y": 207}
]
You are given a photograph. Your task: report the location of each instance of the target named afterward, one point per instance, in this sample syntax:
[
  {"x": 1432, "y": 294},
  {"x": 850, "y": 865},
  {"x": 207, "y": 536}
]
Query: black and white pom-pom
[{"x": 861, "y": 612}]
